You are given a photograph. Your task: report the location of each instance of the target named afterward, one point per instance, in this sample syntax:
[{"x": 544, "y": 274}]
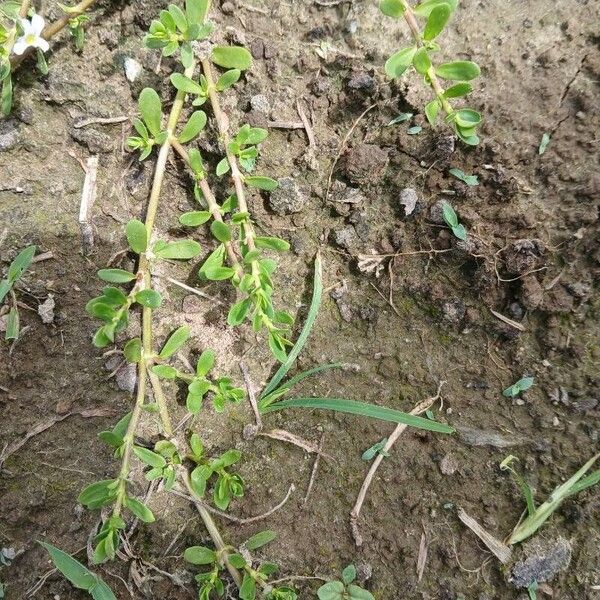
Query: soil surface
[{"x": 417, "y": 312}]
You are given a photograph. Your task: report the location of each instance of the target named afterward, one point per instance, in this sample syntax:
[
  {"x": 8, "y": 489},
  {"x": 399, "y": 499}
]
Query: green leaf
[
  {"x": 414, "y": 130},
  {"x": 20, "y": 263},
  {"x": 271, "y": 242},
  {"x": 374, "y": 450},
  {"x": 221, "y": 231},
  {"x": 421, "y": 61},
  {"x": 460, "y": 232},
  {"x": 151, "y": 110},
  {"x": 521, "y": 386},
  {"x": 196, "y": 11},
  {"x": 232, "y": 57},
  {"x": 165, "y": 371},
  {"x": 460, "y": 174},
  {"x": 194, "y": 218},
  {"x": 458, "y": 90},
  {"x": 262, "y": 183},
  {"x": 237, "y": 560},
  {"x": 193, "y": 127},
  {"x": 431, "y": 111},
  {"x": 178, "y": 17},
  {"x": 137, "y": 236},
  {"x": 449, "y": 214},
  {"x": 248, "y": 588},
  {"x": 544, "y": 143},
  {"x": 260, "y": 539},
  {"x": 12, "y": 324},
  {"x": 199, "y": 477},
  {"x": 357, "y": 593},
  {"x": 238, "y": 312},
  {"x": 116, "y": 275},
  {"x": 205, "y": 363},
  {"x": 436, "y": 21},
  {"x": 176, "y": 340},
  {"x": 405, "y": 116},
  {"x": 200, "y": 555},
  {"x": 332, "y": 590},
  {"x": 222, "y": 167},
  {"x": 467, "y": 118},
  {"x": 396, "y": 64},
  {"x": 363, "y": 409},
  {"x": 149, "y": 298},
  {"x": 391, "y": 8},
  {"x": 77, "y": 574},
  {"x": 186, "y": 55},
  {"x": 6, "y": 96},
  {"x": 5, "y": 287},
  {"x": 181, "y": 250},
  {"x": 149, "y": 458},
  {"x": 460, "y": 70},
  {"x": 349, "y": 574},
  {"x": 133, "y": 350},
  {"x": 228, "y": 79},
  {"x": 185, "y": 84},
  {"x": 424, "y": 8},
  {"x": 303, "y": 337},
  {"x": 141, "y": 511},
  {"x": 96, "y": 494},
  {"x": 196, "y": 445}
]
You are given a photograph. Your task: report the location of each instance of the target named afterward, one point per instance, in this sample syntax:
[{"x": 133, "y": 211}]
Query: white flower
[{"x": 32, "y": 32}]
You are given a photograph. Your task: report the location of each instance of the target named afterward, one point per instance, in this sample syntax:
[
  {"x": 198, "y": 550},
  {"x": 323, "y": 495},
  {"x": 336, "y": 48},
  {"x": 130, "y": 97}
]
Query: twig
[
  {"x": 285, "y": 125},
  {"x": 285, "y": 436},
  {"x": 99, "y": 121},
  {"x": 422, "y": 558},
  {"x": 240, "y": 520},
  {"x": 501, "y": 551},
  {"x": 188, "y": 288},
  {"x": 88, "y": 197},
  {"x": 355, "y": 513},
  {"x": 251, "y": 396},
  {"x": 508, "y": 321},
  {"x": 42, "y": 257},
  {"x": 306, "y": 123},
  {"x": 313, "y": 475}
]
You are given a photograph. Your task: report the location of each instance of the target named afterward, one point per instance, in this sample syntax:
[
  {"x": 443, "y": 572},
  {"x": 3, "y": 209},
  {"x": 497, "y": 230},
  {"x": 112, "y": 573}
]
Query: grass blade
[
  {"x": 290, "y": 383},
  {"x": 363, "y": 409},
  {"x": 308, "y": 325}
]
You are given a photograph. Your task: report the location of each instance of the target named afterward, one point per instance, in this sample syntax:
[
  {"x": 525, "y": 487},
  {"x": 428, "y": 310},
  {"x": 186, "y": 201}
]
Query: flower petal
[
  {"x": 42, "y": 44},
  {"x": 26, "y": 26},
  {"x": 20, "y": 46},
  {"x": 37, "y": 24}
]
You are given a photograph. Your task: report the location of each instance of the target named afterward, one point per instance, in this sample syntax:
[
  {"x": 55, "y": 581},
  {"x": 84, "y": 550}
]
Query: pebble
[
  {"x": 260, "y": 103},
  {"x": 436, "y": 213},
  {"x": 409, "y": 199},
  {"x": 345, "y": 237},
  {"x": 9, "y": 135},
  {"x": 287, "y": 198},
  {"x": 544, "y": 558},
  {"x": 132, "y": 69},
  {"x": 449, "y": 464},
  {"x": 46, "y": 310}
]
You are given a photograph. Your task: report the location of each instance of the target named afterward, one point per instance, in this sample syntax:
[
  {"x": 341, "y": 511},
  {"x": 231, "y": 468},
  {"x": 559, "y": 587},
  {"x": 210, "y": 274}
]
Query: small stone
[
  {"x": 260, "y": 103},
  {"x": 9, "y": 135},
  {"x": 126, "y": 378},
  {"x": 46, "y": 310},
  {"x": 454, "y": 311},
  {"x": 449, "y": 464},
  {"x": 345, "y": 237},
  {"x": 257, "y": 48},
  {"x": 362, "y": 82},
  {"x": 287, "y": 198},
  {"x": 409, "y": 199},
  {"x": 436, "y": 213},
  {"x": 544, "y": 558},
  {"x": 132, "y": 69},
  {"x": 228, "y": 8}
]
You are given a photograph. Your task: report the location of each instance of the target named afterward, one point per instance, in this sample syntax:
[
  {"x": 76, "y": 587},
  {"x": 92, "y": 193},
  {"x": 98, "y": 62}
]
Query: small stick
[
  {"x": 88, "y": 197},
  {"x": 508, "y": 321},
  {"x": 42, "y": 257},
  {"x": 285, "y": 125},
  {"x": 306, "y": 123},
  {"x": 354, "y": 514},
  {"x": 99, "y": 121},
  {"x": 501, "y": 551},
  {"x": 313, "y": 475},
  {"x": 422, "y": 558},
  {"x": 251, "y": 395},
  {"x": 285, "y": 436},
  {"x": 188, "y": 288}
]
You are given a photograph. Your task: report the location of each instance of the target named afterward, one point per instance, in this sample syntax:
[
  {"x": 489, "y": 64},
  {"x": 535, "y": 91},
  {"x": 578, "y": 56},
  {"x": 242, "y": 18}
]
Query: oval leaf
[
  {"x": 193, "y": 127},
  {"x": 115, "y": 275},
  {"x": 151, "y": 110},
  {"x": 262, "y": 183},
  {"x": 437, "y": 21},
  {"x": 232, "y": 57},
  {"x": 460, "y": 70},
  {"x": 260, "y": 539},
  {"x": 392, "y": 8},
  {"x": 221, "y": 231},
  {"x": 137, "y": 236},
  {"x": 399, "y": 62},
  {"x": 177, "y": 339},
  {"x": 182, "y": 250},
  {"x": 199, "y": 555},
  {"x": 194, "y": 218}
]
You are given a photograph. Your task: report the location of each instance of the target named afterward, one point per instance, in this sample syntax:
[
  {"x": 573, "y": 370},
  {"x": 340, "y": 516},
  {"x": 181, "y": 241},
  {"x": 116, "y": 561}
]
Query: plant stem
[
  {"x": 411, "y": 21},
  {"x": 236, "y": 176},
  {"x": 212, "y": 528},
  {"x": 52, "y": 29},
  {"x": 211, "y": 202}
]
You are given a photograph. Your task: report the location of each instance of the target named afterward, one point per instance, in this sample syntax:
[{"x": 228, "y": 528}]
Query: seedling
[
  {"x": 15, "y": 271},
  {"x": 254, "y": 581},
  {"x": 537, "y": 516},
  {"x": 468, "y": 179},
  {"x": 449, "y": 214},
  {"x": 405, "y": 116},
  {"x": 374, "y": 450},
  {"x": 271, "y": 399},
  {"x": 516, "y": 388},
  {"x": 22, "y": 32},
  {"x": 464, "y": 121},
  {"x": 544, "y": 143},
  {"x": 79, "y": 575},
  {"x": 344, "y": 589}
]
